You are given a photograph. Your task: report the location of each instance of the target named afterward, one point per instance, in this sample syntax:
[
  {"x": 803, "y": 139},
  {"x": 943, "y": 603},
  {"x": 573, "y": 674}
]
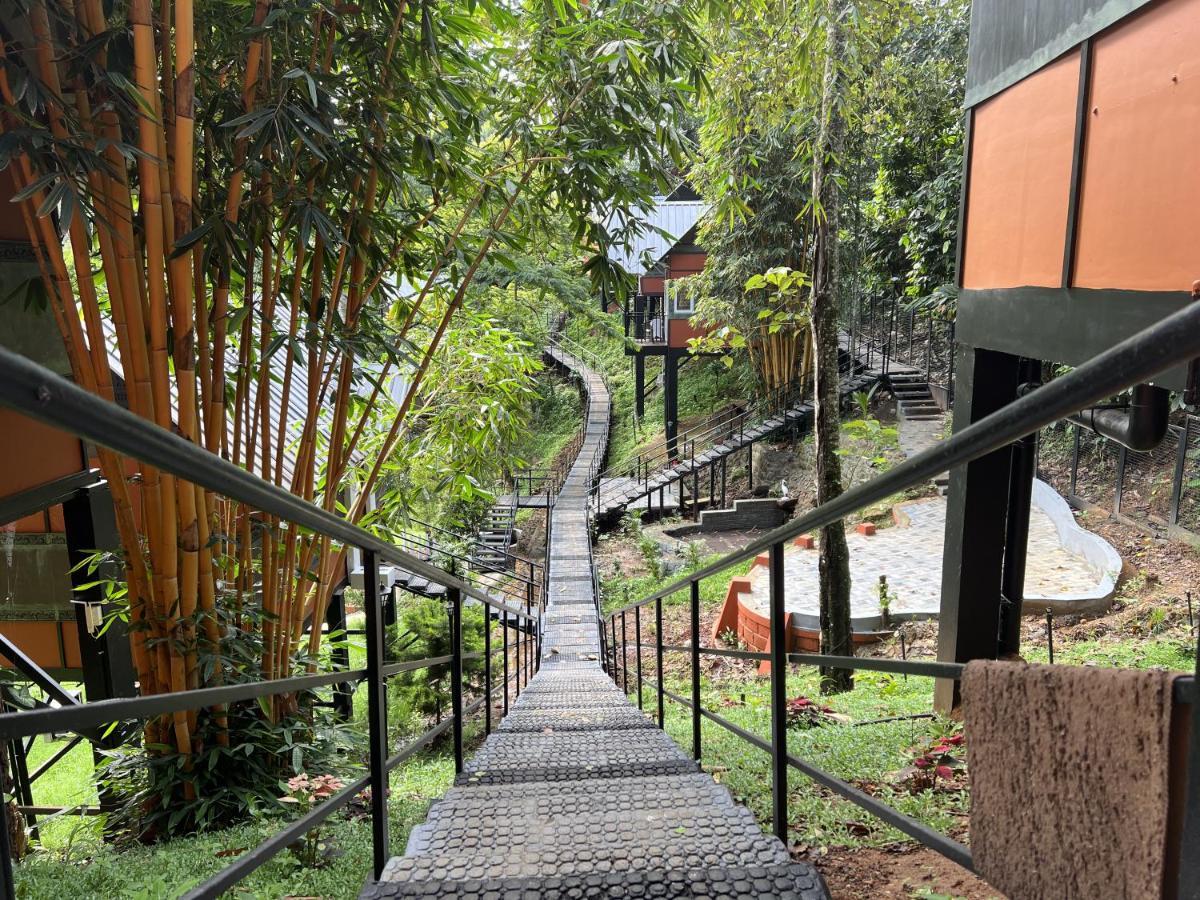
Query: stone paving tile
[
  {"x": 910, "y": 555},
  {"x": 576, "y": 793}
]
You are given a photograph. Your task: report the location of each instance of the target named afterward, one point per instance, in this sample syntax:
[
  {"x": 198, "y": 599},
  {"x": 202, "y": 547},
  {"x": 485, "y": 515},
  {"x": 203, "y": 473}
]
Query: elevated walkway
[{"x": 577, "y": 794}]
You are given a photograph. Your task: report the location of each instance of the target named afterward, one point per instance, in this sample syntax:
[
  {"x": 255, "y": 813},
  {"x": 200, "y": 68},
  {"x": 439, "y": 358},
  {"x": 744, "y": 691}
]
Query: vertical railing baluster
[
  {"x": 624, "y": 656},
  {"x": 778, "y": 625},
  {"x": 376, "y": 712},
  {"x": 517, "y": 645},
  {"x": 504, "y": 633},
  {"x": 612, "y": 620},
  {"x": 658, "y": 661},
  {"x": 1189, "y": 845},
  {"x": 454, "y": 609},
  {"x": 487, "y": 670},
  {"x": 637, "y": 641},
  {"x": 695, "y": 609}
]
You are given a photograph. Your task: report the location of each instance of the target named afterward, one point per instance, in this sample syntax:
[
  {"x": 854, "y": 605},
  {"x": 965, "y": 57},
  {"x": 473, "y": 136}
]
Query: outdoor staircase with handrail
[
  {"x": 578, "y": 791},
  {"x": 708, "y": 445}
]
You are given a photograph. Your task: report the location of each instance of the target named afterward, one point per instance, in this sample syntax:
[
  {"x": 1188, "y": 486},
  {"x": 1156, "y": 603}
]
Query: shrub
[{"x": 423, "y": 631}]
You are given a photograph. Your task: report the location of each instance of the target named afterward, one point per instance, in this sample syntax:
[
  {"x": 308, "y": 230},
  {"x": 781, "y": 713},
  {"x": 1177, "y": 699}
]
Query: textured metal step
[{"x": 793, "y": 881}]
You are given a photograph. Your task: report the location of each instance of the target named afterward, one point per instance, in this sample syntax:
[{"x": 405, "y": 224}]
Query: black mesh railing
[
  {"x": 40, "y": 394},
  {"x": 1174, "y": 340}
]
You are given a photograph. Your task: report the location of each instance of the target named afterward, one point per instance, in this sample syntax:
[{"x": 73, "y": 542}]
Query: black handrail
[
  {"x": 40, "y": 394},
  {"x": 1138, "y": 359}
]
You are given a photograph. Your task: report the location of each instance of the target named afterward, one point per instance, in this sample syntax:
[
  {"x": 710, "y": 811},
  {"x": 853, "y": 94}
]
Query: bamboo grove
[{"x": 231, "y": 202}]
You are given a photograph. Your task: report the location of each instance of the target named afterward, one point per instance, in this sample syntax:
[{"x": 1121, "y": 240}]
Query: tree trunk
[{"x": 834, "y": 564}]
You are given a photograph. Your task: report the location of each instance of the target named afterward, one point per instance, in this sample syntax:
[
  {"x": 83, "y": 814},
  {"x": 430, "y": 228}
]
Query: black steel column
[
  {"x": 639, "y": 384},
  {"x": 671, "y": 399},
  {"x": 695, "y": 604},
  {"x": 973, "y": 556},
  {"x": 778, "y": 625},
  {"x": 376, "y": 713},
  {"x": 1016, "y": 542},
  {"x": 339, "y": 655},
  {"x": 91, "y": 525}
]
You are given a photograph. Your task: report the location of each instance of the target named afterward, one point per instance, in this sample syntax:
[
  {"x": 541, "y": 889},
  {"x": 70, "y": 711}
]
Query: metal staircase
[{"x": 577, "y": 794}]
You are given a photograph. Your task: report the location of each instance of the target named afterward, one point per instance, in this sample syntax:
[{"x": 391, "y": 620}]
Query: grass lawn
[{"x": 90, "y": 870}]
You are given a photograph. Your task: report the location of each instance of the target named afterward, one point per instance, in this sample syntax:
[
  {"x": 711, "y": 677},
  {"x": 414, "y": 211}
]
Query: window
[{"x": 680, "y": 305}]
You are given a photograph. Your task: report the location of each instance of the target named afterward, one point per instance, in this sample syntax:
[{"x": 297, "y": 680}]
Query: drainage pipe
[{"x": 1140, "y": 426}]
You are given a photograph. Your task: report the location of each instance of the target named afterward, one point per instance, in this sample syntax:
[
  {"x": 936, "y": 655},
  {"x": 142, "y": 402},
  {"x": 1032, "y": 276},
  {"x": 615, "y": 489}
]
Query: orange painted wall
[
  {"x": 1139, "y": 214},
  {"x": 40, "y": 641},
  {"x": 681, "y": 264},
  {"x": 652, "y": 284},
  {"x": 680, "y": 330},
  {"x": 1022, "y": 141},
  {"x": 32, "y": 454}
]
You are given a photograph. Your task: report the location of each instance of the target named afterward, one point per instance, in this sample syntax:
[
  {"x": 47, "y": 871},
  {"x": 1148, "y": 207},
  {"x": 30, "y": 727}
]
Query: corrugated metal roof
[
  {"x": 643, "y": 239},
  {"x": 296, "y": 401}
]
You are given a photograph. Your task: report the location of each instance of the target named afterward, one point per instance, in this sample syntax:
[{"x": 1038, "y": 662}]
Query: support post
[
  {"x": 639, "y": 384},
  {"x": 90, "y": 525},
  {"x": 1016, "y": 542},
  {"x": 376, "y": 713},
  {"x": 973, "y": 558},
  {"x": 778, "y": 626},
  {"x": 671, "y": 400},
  {"x": 339, "y": 655},
  {"x": 504, "y": 635}
]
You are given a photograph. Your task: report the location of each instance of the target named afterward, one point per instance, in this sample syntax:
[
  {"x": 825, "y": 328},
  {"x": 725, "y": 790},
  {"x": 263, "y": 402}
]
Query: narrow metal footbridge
[{"x": 577, "y": 793}]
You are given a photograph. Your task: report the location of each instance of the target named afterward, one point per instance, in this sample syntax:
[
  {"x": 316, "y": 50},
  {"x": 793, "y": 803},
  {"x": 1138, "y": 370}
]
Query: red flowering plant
[
  {"x": 805, "y": 713},
  {"x": 313, "y": 850},
  {"x": 935, "y": 765}
]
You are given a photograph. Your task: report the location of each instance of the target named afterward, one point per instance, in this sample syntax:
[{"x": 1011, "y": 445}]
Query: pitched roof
[{"x": 658, "y": 229}]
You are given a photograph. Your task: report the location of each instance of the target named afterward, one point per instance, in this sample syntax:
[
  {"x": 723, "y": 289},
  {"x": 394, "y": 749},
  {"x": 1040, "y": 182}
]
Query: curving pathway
[{"x": 577, "y": 794}]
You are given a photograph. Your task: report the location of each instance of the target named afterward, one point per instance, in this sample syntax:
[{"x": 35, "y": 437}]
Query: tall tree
[{"x": 834, "y": 563}]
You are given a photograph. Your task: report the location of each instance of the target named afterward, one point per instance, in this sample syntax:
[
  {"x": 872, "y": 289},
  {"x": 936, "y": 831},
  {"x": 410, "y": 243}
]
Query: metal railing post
[
  {"x": 487, "y": 671},
  {"x": 779, "y": 764},
  {"x": 376, "y": 713},
  {"x": 695, "y": 609},
  {"x": 658, "y": 659},
  {"x": 637, "y": 642},
  {"x": 624, "y": 656},
  {"x": 454, "y": 608},
  {"x": 504, "y": 633},
  {"x": 1189, "y": 844},
  {"x": 518, "y": 644},
  {"x": 612, "y": 621}
]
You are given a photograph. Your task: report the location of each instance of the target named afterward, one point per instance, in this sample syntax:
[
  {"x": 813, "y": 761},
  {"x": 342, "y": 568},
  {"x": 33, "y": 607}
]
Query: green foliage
[
  {"x": 226, "y": 784},
  {"x": 422, "y": 632},
  {"x": 907, "y": 158}
]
